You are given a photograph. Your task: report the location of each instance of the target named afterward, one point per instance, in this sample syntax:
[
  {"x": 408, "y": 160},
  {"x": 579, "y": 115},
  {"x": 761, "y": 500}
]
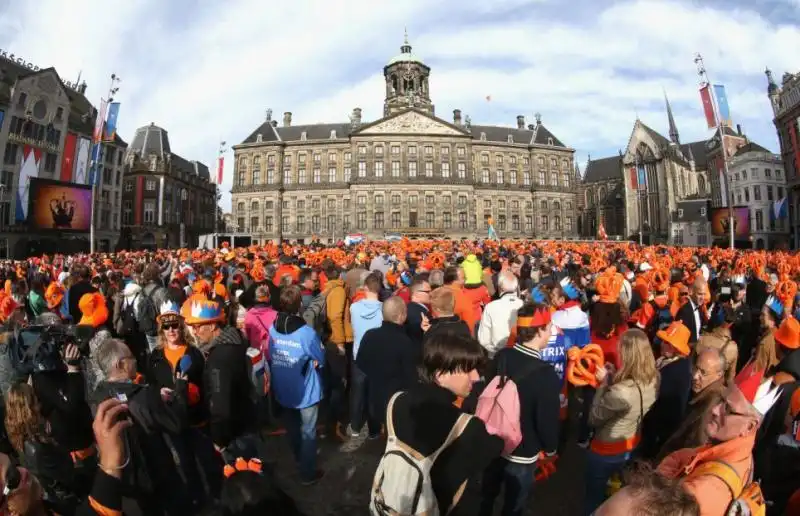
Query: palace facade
[{"x": 410, "y": 172}]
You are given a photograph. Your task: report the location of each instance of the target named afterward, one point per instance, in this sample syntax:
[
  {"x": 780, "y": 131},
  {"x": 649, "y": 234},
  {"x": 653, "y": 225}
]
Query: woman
[
  {"x": 38, "y": 453},
  {"x": 174, "y": 354},
  {"x": 94, "y": 313},
  {"x": 620, "y": 403},
  {"x": 765, "y": 357}
]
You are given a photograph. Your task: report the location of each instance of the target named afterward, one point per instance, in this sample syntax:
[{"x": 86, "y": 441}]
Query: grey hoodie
[{"x": 364, "y": 315}]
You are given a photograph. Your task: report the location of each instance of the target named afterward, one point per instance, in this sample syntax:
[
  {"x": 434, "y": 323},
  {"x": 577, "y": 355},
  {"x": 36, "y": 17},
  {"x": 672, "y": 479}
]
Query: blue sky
[{"x": 207, "y": 70}]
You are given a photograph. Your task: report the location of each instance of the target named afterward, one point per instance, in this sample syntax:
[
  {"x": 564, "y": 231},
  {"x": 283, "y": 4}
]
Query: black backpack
[
  {"x": 128, "y": 324},
  {"x": 146, "y": 323}
]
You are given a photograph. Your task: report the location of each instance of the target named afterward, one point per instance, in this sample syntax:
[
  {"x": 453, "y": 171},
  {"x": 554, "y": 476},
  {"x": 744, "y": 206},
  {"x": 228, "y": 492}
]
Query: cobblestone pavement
[{"x": 348, "y": 476}]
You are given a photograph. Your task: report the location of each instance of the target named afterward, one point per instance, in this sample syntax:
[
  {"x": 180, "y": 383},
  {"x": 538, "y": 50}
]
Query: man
[
  {"x": 500, "y": 315},
  {"x": 227, "y": 386},
  {"x": 309, "y": 284},
  {"x": 731, "y": 432},
  {"x": 646, "y": 493},
  {"x": 743, "y": 331},
  {"x": 388, "y": 358},
  {"x": 153, "y": 292},
  {"x": 417, "y": 308},
  {"x": 297, "y": 358},
  {"x": 153, "y": 465},
  {"x": 365, "y": 315},
  {"x": 337, "y": 310},
  {"x": 538, "y": 388},
  {"x": 444, "y": 319},
  {"x": 77, "y": 291},
  {"x": 708, "y": 386},
  {"x": 690, "y": 313},
  {"x": 424, "y": 419}
]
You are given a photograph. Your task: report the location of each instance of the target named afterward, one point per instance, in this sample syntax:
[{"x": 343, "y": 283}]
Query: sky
[{"x": 207, "y": 71}]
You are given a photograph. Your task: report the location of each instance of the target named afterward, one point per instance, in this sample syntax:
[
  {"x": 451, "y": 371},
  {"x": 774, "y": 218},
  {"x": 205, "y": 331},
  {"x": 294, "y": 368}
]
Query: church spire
[
  {"x": 406, "y": 48},
  {"x": 673, "y": 129}
]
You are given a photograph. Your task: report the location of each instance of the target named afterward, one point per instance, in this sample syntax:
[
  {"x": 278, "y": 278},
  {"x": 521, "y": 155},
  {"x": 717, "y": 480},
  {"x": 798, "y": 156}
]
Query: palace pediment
[{"x": 411, "y": 122}]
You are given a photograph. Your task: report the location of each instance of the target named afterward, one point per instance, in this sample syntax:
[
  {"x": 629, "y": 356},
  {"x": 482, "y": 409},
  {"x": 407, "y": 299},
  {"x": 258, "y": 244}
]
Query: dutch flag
[{"x": 780, "y": 209}]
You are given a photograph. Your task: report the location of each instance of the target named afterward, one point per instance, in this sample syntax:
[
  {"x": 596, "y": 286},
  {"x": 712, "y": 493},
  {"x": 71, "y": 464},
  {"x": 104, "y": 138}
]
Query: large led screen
[{"x": 59, "y": 206}]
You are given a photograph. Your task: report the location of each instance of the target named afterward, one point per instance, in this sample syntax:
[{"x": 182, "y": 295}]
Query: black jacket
[
  {"x": 686, "y": 316},
  {"x": 423, "y": 417},
  {"x": 160, "y": 374},
  {"x": 62, "y": 401},
  {"x": 248, "y": 297},
  {"x": 227, "y": 388},
  {"x": 538, "y": 388},
  {"x": 665, "y": 416},
  {"x": 450, "y": 325},
  {"x": 76, "y": 292},
  {"x": 388, "y": 357},
  {"x": 414, "y": 320}
]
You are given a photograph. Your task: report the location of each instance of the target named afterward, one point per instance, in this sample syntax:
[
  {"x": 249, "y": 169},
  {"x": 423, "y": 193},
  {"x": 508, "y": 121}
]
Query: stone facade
[{"x": 409, "y": 172}]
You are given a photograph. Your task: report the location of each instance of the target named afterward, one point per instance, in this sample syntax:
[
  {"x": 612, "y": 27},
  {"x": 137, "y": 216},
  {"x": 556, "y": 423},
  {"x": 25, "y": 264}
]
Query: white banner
[
  {"x": 723, "y": 188},
  {"x": 161, "y": 202},
  {"x": 81, "y": 173}
]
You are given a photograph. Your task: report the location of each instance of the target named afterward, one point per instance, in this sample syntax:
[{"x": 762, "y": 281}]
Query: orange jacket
[
  {"x": 474, "y": 299},
  {"x": 283, "y": 270},
  {"x": 337, "y": 305},
  {"x": 712, "y": 493}
]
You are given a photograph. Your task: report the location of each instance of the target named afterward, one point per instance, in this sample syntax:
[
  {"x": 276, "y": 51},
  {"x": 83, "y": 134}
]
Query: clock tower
[{"x": 406, "y": 82}]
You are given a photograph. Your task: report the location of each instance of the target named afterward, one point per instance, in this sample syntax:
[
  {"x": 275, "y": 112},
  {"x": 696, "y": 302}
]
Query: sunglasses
[{"x": 170, "y": 326}]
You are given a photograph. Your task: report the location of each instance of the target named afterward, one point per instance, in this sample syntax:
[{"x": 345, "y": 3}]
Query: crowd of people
[{"x": 147, "y": 382}]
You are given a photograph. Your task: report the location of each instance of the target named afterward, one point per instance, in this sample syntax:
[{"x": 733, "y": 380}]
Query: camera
[{"x": 40, "y": 347}]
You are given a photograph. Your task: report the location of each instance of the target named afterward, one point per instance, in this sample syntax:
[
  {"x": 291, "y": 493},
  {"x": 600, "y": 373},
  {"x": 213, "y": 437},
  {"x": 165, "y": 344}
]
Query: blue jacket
[
  {"x": 364, "y": 315},
  {"x": 570, "y": 328},
  {"x": 294, "y": 347}
]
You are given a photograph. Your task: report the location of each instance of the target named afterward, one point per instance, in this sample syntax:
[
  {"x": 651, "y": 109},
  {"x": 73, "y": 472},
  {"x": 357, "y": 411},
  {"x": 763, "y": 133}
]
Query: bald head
[
  {"x": 709, "y": 367},
  {"x": 394, "y": 310}
]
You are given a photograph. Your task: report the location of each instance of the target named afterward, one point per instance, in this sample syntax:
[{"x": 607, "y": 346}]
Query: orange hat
[
  {"x": 94, "y": 309},
  {"x": 676, "y": 335},
  {"x": 660, "y": 280},
  {"x": 54, "y": 295},
  {"x": 609, "y": 285},
  {"x": 788, "y": 333},
  {"x": 201, "y": 286},
  {"x": 201, "y": 311}
]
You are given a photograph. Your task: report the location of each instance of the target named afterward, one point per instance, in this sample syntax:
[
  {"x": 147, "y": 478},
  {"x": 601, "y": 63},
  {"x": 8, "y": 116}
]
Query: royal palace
[{"x": 410, "y": 173}]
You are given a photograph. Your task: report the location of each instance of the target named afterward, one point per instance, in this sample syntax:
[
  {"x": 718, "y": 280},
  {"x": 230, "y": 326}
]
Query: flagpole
[
  {"x": 703, "y": 73},
  {"x": 217, "y": 181},
  {"x": 112, "y": 90}
]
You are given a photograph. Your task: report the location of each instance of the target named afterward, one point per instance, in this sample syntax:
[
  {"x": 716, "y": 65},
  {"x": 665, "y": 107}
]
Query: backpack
[
  {"x": 127, "y": 321},
  {"x": 499, "y": 408},
  {"x": 662, "y": 319},
  {"x": 402, "y": 484},
  {"x": 748, "y": 500},
  {"x": 147, "y": 315},
  {"x": 316, "y": 316}
]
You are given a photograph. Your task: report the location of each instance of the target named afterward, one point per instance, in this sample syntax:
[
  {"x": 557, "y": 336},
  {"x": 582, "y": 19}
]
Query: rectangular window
[
  {"x": 287, "y": 160},
  {"x": 379, "y": 150},
  {"x": 346, "y": 222},
  {"x": 780, "y": 192},
  {"x": 446, "y": 220},
  {"x": 348, "y": 156},
  {"x": 332, "y": 175},
  {"x": 362, "y": 169},
  {"x": 10, "y": 156},
  {"x": 315, "y": 223},
  {"x": 378, "y": 220},
  {"x": 412, "y": 169},
  {"x": 50, "y": 162},
  {"x": 767, "y": 172},
  {"x": 149, "y": 211},
  {"x": 541, "y": 177},
  {"x": 462, "y": 220},
  {"x": 461, "y": 152},
  {"x": 317, "y": 157},
  {"x": 412, "y": 199},
  {"x": 362, "y": 150},
  {"x": 430, "y": 219},
  {"x": 285, "y": 224},
  {"x": 270, "y": 160},
  {"x": 379, "y": 169},
  {"x": 331, "y": 204},
  {"x": 256, "y": 177},
  {"x": 347, "y": 173},
  {"x": 498, "y": 160},
  {"x": 568, "y": 223},
  {"x": 395, "y": 150},
  {"x": 515, "y": 222},
  {"x": 301, "y": 176},
  {"x": 150, "y": 185},
  {"x": 395, "y": 219},
  {"x": 301, "y": 205},
  {"x": 512, "y": 176},
  {"x": 396, "y": 199},
  {"x": 428, "y": 169},
  {"x": 446, "y": 170},
  {"x": 526, "y": 178},
  {"x": 746, "y": 194},
  {"x": 744, "y": 175},
  {"x": 428, "y": 199},
  {"x": 361, "y": 220},
  {"x": 361, "y": 200},
  {"x": 270, "y": 176},
  {"x": 462, "y": 170},
  {"x": 253, "y": 223},
  {"x": 412, "y": 150},
  {"x": 317, "y": 175},
  {"x": 395, "y": 168},
  {"x": 499, "y": 177},
  {"x": 769, "y": 193},
  {"x": 544, "y": 222},
  {"x": 314, "y": 204},
  {"x": 485, "y": 159},
  {"x": 528, "y": 223},
  {"x": 331, "y": 157},
  {"x": 301, "y": 223},
  {"x": 757, "y": 193},
  {"x": 429, "y": 150}
]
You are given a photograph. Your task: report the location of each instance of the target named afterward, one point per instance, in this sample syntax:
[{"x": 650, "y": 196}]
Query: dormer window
[
  {"x": 702, "y": 212},
  {"x": 483, "y": 137},
  {"x": 680, "y": 213},
  {"x": 510, "y": 138},
  {"x": 303, "y": 136},
  {"x": 59, "y": 113},
  {"x": 333, "y": 134},
  {"x": 259, "y": 138},
  {"x": 549, "y": 141}
]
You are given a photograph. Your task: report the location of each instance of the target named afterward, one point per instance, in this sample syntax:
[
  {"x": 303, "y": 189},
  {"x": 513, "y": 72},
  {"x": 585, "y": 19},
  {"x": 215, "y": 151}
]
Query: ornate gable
[{"x": 412, "y": 122}]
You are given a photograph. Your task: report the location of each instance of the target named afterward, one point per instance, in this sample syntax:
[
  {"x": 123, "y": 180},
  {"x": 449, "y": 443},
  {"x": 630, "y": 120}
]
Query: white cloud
[{"x": 207, "y": 73}]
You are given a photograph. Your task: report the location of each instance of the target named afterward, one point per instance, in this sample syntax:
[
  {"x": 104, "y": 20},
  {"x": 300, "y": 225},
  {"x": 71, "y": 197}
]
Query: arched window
[
  {"x": 240, "y": 207},
  {"x": 601, "y": 195},
  {"x": 556, "y": 206},
  {"x": 543, "y": 205},
  {"x": 254, "y": 206},
  {"x": 587, "y": 195},
  {"x": 554, "y": 178},
  {"x": 701, "y": 185}
]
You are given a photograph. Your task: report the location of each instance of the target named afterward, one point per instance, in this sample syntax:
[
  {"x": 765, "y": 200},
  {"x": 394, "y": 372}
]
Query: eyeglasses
[
  {"x": 730, "y": 411},
  {"x": 170, "y": 326}
]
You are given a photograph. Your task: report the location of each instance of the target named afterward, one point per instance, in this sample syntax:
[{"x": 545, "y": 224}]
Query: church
[{"x": 638, "y": 192}]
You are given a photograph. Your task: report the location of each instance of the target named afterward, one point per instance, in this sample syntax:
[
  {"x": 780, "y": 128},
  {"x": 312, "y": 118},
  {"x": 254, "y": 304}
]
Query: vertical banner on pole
[
  {"x": 219, "y": 170},
  {"x": 31, "y": 157},
  {"x": 111, "y": 122},
  {"x": 723, "y": 185},
  {"x": 708, "y": 106},
  {"x": 2, "y": 117},
  {"x": 68, "y": 161},
  {"x": 634, "y": 181},
  {"x": 642, "y": 177},
  {"x": 722, "y": 105},
  {"x": 161, "y": 201},
  {"x": 97, "y": 167}
]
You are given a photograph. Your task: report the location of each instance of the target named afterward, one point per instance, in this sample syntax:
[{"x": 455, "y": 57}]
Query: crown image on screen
[
  {"x": 62, "y": 211},
  {"x": 726, "y": 224}
]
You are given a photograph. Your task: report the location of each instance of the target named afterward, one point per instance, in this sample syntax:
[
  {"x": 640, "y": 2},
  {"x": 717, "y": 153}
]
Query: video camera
[
  {"x": 63, "y": 335},
  {"x": 40, "y": 347}
]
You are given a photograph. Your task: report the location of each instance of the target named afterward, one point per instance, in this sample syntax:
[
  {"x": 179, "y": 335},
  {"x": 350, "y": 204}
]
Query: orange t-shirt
[{"x": 174, "y": 355}]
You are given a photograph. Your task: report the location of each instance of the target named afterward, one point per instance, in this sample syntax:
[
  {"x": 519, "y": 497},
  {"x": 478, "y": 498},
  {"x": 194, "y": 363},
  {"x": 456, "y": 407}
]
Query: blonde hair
[
  {"x": 24, "y": 419},
  {"x": 443, "y": 300},
  {"x": 186, "y": 336},
  {"x": 636, "y": 356}
]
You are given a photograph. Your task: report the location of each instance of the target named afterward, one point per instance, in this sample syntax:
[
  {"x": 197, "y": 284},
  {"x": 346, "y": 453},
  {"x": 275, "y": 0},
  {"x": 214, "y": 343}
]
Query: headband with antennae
[{"x": 253, "y": 465}]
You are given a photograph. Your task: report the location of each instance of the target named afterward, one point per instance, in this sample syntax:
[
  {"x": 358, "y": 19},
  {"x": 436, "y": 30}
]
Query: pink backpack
[{"x": 498, "y": 408}]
